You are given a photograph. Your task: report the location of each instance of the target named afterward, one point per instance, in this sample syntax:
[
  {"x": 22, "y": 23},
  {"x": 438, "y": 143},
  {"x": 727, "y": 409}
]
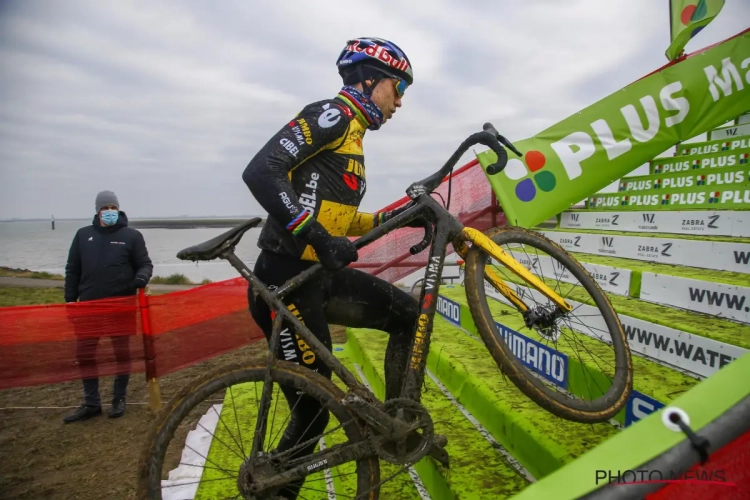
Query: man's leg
[
  {"x": 86, "y": 356},
  {"x": 121, "y": 347},
  {"x": 308, "y": 419},
  {"x": 360, "y": 300}
]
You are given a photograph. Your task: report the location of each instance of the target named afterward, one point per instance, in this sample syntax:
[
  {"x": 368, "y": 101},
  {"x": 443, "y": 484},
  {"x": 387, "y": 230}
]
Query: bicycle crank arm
[
  {"x": 376, "y": 418},
  {"x": 319, "y": 461}
]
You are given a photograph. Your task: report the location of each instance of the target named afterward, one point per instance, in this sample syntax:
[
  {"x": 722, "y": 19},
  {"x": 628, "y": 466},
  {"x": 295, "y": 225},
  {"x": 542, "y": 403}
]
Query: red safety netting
[
  {"x": 63, "y": 342},
  {"x": 472, "y": 201},
  {"x": 55, "y": 343},
  {"x": 725, "y": 476},
  {"x": 164, "y": 333},
  {"x": 193, "y": 325}
]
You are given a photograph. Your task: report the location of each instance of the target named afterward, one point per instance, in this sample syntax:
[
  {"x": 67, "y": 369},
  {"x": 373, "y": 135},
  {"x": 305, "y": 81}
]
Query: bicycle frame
[
  {"x": 442, "y": 229},
  {"x": 448, "y": 229}
]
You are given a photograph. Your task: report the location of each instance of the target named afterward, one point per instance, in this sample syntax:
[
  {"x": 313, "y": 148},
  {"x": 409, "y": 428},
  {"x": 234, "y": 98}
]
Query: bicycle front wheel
[
  {"x": 220, "y": 409},
  {"x": 578, "y": 364}
]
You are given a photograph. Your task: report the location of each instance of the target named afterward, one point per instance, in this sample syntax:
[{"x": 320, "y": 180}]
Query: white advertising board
[
  {"x": 720, "y": 255},
  {"x": 742, "y": 119},
  {"x": 610, "y": 279},
  {"x": 708, "y": 222},
  {"x": 697, "y": 355},
  {"x": 729, "y": 132},
  {"x": 717, "y": 299}
]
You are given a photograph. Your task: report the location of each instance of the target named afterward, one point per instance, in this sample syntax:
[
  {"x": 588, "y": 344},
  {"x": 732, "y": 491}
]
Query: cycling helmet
[{"x": 378, "y": 55}]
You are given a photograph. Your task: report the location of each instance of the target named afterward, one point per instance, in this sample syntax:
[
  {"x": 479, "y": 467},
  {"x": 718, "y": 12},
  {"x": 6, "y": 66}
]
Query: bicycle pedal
[{"x": 439, "y": 454}]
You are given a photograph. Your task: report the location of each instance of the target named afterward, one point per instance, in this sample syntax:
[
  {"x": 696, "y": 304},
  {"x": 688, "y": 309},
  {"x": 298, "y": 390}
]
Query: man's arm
[
  {"x": 141, "y": 261},
  {"x": 319, "y": 126},
  {"x": 362, "y": 223},
  {"x": 72, "y": 272}
]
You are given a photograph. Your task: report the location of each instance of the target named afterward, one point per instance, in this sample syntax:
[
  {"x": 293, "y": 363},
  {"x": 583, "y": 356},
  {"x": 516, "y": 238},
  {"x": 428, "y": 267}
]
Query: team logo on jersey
[
  {"x": 329, "y": 117},
  {"x": 351, "y": 181}
]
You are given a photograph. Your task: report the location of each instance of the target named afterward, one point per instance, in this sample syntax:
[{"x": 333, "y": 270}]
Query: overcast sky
[{"x": 166, "y": 102}]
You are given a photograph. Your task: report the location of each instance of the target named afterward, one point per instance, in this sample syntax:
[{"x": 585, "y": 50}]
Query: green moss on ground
[
  {"x": 236, "y": 427},
  {"x": 494, "y": 478},
  {"x": 652, "y": 379}
]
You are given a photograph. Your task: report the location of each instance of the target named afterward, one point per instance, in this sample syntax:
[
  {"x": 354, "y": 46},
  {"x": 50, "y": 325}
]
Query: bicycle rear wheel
[
  {"x": 225, "y": 397},
  {"x": 597, "y": 382}
]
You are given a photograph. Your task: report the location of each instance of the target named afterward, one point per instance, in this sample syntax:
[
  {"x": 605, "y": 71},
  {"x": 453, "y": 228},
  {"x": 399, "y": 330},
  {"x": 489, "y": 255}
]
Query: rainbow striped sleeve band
[
  {"x": 379, "y": 218},
  {"x": 299, "y": 222}
]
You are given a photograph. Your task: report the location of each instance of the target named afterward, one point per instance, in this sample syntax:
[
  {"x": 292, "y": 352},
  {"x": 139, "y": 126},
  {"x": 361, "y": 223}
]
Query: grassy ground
[
  {"x": 11, "y": 272},
  {"x": 172, "y": 279},
  {"x": 22, "y": 296}
]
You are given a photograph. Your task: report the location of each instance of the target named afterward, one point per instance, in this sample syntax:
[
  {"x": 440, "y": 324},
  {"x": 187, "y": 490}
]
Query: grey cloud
[{"x": 166, "y": 102}]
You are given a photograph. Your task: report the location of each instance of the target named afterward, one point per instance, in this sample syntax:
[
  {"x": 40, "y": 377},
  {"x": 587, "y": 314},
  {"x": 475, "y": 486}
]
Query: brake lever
[{"x": 489, "y": 128}]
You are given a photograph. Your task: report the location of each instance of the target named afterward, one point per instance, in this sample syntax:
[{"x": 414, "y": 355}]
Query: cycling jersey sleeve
[
  {"x": 318, "y": 127},
  {"x": 362, "y": 223}
]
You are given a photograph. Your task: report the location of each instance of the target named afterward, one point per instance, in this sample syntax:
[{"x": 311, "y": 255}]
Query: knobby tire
[{"x": 598, "y": 410}]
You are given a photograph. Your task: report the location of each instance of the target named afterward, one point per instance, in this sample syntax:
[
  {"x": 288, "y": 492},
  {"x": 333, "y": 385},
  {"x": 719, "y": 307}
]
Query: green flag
[{"x": 688, "y": 17}]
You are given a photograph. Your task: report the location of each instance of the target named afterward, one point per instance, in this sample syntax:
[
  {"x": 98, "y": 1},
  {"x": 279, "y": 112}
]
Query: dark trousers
[
  {"x": 348, "y": 297},
  {"x": 86, "y": 355}
]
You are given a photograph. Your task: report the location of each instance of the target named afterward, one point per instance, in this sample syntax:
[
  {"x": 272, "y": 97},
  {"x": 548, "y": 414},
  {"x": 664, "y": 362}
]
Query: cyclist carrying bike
[{"x": 310, "y": 178}]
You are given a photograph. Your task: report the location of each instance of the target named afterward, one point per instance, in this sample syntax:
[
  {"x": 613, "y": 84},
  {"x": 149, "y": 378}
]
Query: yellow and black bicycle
[{"x": 362, "y": 430}]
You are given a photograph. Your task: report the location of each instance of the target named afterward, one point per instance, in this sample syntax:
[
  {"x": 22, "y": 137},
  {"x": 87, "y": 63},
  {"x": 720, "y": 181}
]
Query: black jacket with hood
[{"x": 104, "y": 261}]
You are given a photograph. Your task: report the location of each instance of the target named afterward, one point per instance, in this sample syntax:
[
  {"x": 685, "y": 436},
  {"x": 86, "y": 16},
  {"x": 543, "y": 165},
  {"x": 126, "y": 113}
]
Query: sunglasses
[{"x": 400, "y": 85}]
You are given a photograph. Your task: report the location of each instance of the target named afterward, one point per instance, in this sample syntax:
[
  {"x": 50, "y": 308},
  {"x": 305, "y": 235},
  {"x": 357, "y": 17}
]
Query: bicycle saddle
[{"x": 213, "y": 248}]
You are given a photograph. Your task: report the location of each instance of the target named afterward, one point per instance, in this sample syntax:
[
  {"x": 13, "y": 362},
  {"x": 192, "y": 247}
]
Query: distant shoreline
[{"x": 170, "y": 223}]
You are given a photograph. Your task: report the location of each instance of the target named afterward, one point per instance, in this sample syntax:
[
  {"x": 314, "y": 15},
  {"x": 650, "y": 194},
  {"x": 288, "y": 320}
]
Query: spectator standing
[{"x": 106, "y": 259}]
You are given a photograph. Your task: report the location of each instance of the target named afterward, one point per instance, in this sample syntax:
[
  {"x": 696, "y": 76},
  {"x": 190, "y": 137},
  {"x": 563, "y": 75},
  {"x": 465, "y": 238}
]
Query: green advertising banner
[
  {"x": 708, "y": 147},
  {"x": 719, "y": 178},
  {"x": 734, "y": 197},
  {"x": 672, "y": 164},
  {"x": 587, "y": 151},
  {"x": 689, "y": 17}
]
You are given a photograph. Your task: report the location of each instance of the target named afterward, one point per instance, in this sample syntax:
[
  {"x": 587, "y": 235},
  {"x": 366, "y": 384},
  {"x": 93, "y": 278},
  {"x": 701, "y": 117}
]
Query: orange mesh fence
[
  {"x": 472, "y": 201},
  {"x": 54, "y": 343},
  {"x": 164, "y": 333},
  {"x": 726, "y": 475},
  {"x": 193, "y": 325},
  {"x": 63, "y": 342}
]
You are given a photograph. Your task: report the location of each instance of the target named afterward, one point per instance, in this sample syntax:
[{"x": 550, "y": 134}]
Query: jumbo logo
[
  {"x": 449, "y": 309},
  {"x": 419, "y": 340}
]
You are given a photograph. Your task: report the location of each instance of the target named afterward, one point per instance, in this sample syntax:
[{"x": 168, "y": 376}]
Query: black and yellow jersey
[{"x": 313, "y": 167}]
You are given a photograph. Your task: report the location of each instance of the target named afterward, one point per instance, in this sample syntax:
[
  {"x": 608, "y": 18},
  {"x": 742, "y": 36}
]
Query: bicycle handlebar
[
  {"x": 493, "y": 169},
  {"x": 489, "y": 137}
]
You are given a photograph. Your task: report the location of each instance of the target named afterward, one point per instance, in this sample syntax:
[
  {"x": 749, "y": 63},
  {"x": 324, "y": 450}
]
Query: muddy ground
[{"x": 43, "y": 458}]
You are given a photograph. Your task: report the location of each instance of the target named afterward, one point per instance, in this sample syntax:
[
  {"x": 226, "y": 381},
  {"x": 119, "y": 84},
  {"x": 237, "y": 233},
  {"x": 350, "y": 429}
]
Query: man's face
[
  {"x": 107, "y": 207},
  {"x": 386, "y": 97}
]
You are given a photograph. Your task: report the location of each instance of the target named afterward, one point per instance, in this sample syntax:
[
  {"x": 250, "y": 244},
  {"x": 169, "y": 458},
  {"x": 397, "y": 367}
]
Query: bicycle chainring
[
  {"x": 416, "y": 444},
  {"x": 264, "y": 466}
]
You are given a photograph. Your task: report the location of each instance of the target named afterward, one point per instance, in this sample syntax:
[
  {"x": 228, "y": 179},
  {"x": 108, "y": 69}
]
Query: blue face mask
[{"x": 109, "y": 217}]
